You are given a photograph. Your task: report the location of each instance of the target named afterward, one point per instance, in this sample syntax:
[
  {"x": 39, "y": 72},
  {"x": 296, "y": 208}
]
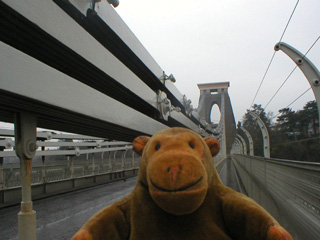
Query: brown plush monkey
[{"x": 179, "y": 195}]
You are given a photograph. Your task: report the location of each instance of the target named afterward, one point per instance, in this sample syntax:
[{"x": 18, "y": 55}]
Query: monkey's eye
[
  {"x": 191, "y": 144},
  {"x": 157, "y": 146}
]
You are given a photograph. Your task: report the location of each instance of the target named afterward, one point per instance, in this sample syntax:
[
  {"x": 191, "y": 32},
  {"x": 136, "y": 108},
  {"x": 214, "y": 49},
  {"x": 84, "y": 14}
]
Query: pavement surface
[
  {"x": 60, "y": 217},
  {"x": 228, "y": 175}
]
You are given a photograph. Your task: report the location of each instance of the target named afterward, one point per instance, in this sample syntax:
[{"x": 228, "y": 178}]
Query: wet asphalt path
[{"x": 61, "y": 216}]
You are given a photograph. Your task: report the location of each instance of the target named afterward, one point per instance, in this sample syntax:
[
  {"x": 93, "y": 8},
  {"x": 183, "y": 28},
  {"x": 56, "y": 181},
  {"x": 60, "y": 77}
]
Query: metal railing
[
  {"x": 62, "y": 157},
  {"x": 70, "y": 167},
  {"x": 219, "y": 161},
  {"x": 289, "y": 190}
]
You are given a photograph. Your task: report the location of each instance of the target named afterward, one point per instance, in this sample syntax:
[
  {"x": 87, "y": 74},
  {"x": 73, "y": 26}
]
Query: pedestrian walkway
[
  {"x": 59, "y": 217},
  {"x": 229, "y": 176}
]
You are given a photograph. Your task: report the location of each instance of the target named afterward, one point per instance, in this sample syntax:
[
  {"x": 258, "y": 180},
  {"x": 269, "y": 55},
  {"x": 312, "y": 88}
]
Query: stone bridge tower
[{"x": 217, "y": 93}]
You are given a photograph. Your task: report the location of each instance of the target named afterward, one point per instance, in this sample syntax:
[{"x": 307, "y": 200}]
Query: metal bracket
[
  {"x": 115, "y": 3},
  {"x": 164, "y": 106},
  {"x": 77, "y": 152},
  {"x": 187, "y": 105},
  {"x": 25, "y": 130},
  {"x": 6, "y": 143},
  {"x": 201, "y": 131},
  {"x": 165, "y": 77}
]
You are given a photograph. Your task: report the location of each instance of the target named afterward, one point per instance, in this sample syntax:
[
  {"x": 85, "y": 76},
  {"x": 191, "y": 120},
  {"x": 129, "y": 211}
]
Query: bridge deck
[
  {"x": 229, "y": 176},
  {"x": 59, "y": 217}
]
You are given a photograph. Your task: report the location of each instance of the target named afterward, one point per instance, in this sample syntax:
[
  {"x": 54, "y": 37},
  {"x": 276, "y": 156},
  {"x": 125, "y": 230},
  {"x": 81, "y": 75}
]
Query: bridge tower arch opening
[
  {"x": 214, "y": 99},
  {"x": 215, "y": 114}
]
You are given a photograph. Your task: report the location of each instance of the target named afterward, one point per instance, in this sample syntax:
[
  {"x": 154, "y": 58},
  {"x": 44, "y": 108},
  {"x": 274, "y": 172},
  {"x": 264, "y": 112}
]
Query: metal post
[
  {"x": 67, "y": 168},
  {"x": 25, "y": 127},
  {"x": 2, "y": 186},
  {"x": 87, "y": 164},
  {"x": 72, "y": 168},
  {"x": 123, "y": 157},
  {"x": 110, "y": 165},
  {"x": 93, "y": 165},
  {"x": 43, "y": 169},
  {"x": 251, "y": 185},
  {"x": 114, "y": 164},
  {"x": 101, "y": 164},
  {"x": 132, "y": 164}
]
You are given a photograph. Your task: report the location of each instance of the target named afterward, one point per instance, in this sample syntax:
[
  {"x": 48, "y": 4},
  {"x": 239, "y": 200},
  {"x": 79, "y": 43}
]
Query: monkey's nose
[{"x": 174, "y": 173}]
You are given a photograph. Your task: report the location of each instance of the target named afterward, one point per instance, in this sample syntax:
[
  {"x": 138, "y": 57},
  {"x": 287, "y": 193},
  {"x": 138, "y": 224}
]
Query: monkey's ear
[
  {"x": 139, "y": 143},
  {"x": 213, "y": 144}
]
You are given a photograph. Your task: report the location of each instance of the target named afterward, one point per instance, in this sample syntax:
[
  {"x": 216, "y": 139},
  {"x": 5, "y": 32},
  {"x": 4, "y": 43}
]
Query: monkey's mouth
[{"x": 176, "y": 190}]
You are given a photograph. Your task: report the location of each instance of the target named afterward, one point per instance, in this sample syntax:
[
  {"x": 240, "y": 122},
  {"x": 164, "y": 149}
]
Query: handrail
[
  {"x": 289, "y": 190},
  {"x": 70, "y": 164}
]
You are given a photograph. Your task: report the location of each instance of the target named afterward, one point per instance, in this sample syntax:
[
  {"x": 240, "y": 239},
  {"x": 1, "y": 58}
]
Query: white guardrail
[
  {"x": 66, "y": 156},
  {"x": 63, "y": 156},
  {"x": 289, "y": 190}
]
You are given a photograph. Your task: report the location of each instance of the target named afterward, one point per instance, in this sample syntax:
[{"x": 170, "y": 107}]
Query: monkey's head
[{"x": 177, "y": 167}]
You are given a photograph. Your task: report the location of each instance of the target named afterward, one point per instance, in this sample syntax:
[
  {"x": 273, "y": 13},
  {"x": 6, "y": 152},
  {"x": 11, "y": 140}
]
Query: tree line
[{"x": 293, "y": 134}]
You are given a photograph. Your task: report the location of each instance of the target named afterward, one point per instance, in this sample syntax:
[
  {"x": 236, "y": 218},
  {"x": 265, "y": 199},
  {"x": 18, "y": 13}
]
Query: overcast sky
[
  {"x": 232, "y": 40},
  {"x": 215, "y": 41}
]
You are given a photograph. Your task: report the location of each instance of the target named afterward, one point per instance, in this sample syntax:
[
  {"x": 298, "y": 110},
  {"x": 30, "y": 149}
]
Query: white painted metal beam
[
  {"x": 47, "y": 15},
  {"x": 306, "y": 66},
  {"x": 243, "y": 142},
  {"x": 265, "y": 134},
  {"x": 251, "y": 148},
  {"x": 35, "y": 80},
  {"x": 112, "y": 18}
]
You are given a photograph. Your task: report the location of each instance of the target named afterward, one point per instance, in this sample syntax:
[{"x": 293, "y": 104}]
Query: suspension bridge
[{"x": 106, "y": 94}]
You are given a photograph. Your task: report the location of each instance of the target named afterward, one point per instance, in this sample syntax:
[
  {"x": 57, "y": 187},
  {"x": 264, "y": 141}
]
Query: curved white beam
[
  {"x": 235, "y": 149},
  {"x": 306, "y": 66},
  {"x": 265, "y": 134},
  {"x": 243, "y": 142},
  {"x": 239, "y": 146},
  {"x": 251, "y": 149}
]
